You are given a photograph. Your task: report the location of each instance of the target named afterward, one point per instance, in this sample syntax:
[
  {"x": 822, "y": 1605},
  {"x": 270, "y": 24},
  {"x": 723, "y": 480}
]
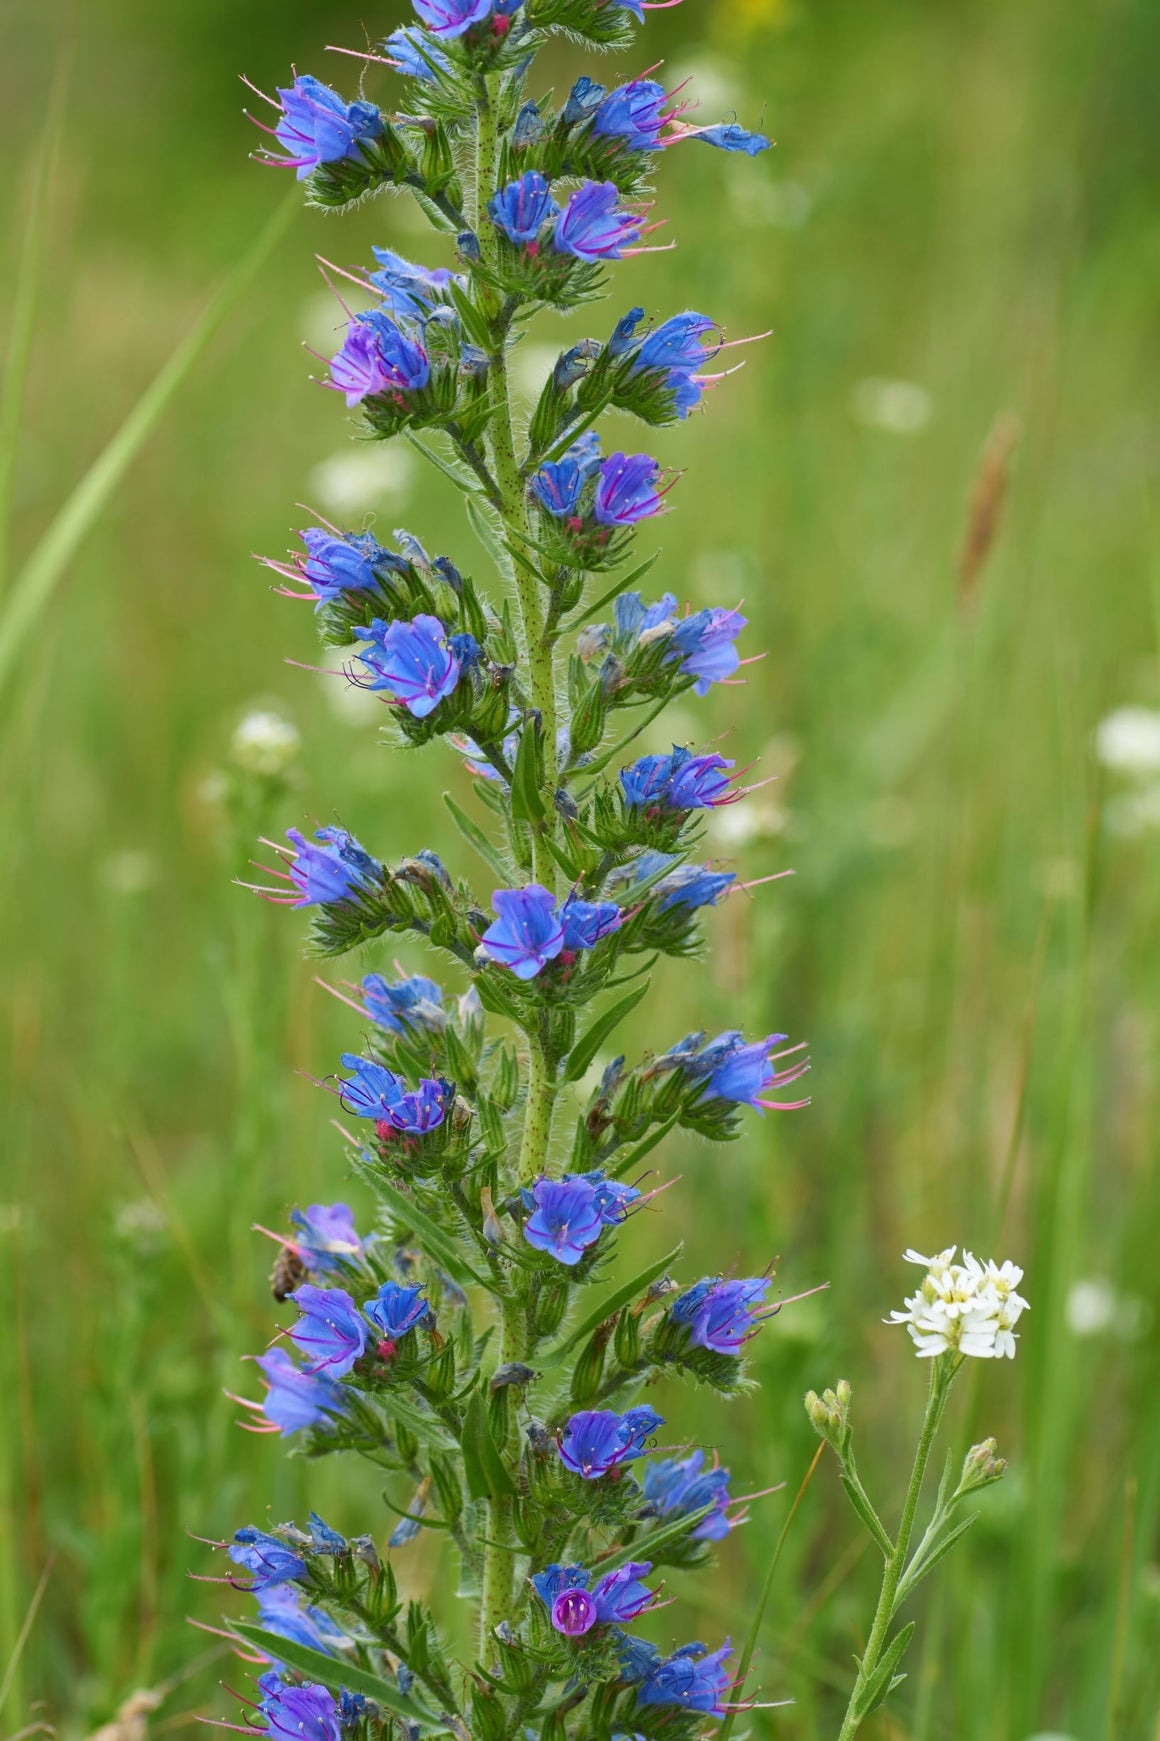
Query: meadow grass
[{"x": 962, "y": 202}]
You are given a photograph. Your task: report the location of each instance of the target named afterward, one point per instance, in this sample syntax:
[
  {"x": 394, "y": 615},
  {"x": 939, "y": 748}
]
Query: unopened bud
[
  {"x": 830, "y": 1415},
  {"x": 980, "y": 1468}
]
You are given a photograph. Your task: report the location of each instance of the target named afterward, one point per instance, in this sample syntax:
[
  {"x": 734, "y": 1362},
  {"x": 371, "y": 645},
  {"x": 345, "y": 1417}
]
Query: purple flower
[
  {"x": 677, "y": 1486},
  {"x": 612, "y": 1198},
  {"x": 565, "y": 1218},
  {"x": 413, "y": 663},
  {"x": 330, "y": 872},
  {"x": 722, "y": 1315},
  {"x": 280, "y": 1610},
  {"x": 592, "y": 226},
  {"x": 684, "y": 885},
  {"x": 268, "y": 1560},
  {"x": 377, "y": 356},
  {"x": 731, "y": 1070},
  {"x": 679, "y": 781},
  {"x": 450, "y": 18},
  {"x": 523, "y": 207},
  {"x": 620, "y": 1596},
  {"x": 675, "y": 348},
  {"x": 298, "y": 1713},
  {"x": 318, "y": 127},
  {"x": 410, "y": 1003},
  {"x": 558, "y": 486},
  {"x": 373, "y": 1089},
  {"x": 337, "y": 565},
  {"x": 704, "y": 645},
  {"x": 407, "y": 290},
  {"x": 626, "y": 491},
  {"x": 586, "y": 922},
  {"x": 690, "y": 1679},
  {"x": 395, "y": 1309},
  {"x": 420, "y": 1110},
  {"x": 297, "y": 1398},
  {"x": 330, "y": 1332},
  {"x": 633, "y": 113},
  {"x": 597, "y": 1440},
  {"x": 574, "y": 1613},
  {"x": 326, "y": 1239},
  {"x": 410, "y": 51},
  {"x": 528, "y": 932}
]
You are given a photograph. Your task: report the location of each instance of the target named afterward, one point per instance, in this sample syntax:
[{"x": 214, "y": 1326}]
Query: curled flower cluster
[{"x": 968, "y": 1308}]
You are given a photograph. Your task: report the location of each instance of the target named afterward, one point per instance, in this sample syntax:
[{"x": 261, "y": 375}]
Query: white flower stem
[{"x": 940, "y": 1381}]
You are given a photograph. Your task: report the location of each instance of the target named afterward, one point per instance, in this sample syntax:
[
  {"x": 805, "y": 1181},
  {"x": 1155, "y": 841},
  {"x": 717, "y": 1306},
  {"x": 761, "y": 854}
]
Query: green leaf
[
  {"x": 608, "y": 1309},
  {"x": 334, "y": 1673},
  {"x": 614, "y": 591},
  {"x": 425, "y": 1427},
  {"x": 646, "y": 1547},
  {"x": 878, "y": 1687},
  {"x": 527, "y": 800},
  {"x": 440, "y": 1244},
  {"x": 459, "y": 478},
  {"x": 627, "y": 1162},
  {"x": 474, "y": 323},
  {"x": 487, "y": 1476},
  {"x": 34, "y": 584},
  {"x": 918, "y": 1568},
  {"x": 474, "y": 836},
  {"x": 868, "y": 1515},
  {"x": 591, "y": 1041}
]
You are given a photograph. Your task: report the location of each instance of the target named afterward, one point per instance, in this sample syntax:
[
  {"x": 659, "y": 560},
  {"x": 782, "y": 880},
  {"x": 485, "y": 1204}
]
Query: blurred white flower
[
  {"x": 352, "y": 704},
  {"x": 710, "y": 86},
  {"x": 129, "y": 872},
  {"x": 264, "y": 743},
  {"x": 968, "y": 1308},
  {"x": 1130, "y": 814},
  {"x": 900, "y": 407},
  {"x": 141, "y": 1224},
  {"x": 1128, "y": 741},
  {"x": 11, "y": 1217},
  {"x": 352, "y": 481},
  {"x": 735, "y": 824},
  {"x": 759, "y": 200},
  {"x": 1094, "y": 1308}
]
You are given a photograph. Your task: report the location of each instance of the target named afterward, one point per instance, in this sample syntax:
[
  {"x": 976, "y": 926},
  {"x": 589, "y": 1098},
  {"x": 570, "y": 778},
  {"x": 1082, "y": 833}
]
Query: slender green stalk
[{"x": 896, "y": 1564}]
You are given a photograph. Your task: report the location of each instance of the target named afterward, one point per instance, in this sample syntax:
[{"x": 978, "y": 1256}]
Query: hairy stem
[
  {"x": 884, "y": 1613},
  {"x": 499, "y": 1554}
]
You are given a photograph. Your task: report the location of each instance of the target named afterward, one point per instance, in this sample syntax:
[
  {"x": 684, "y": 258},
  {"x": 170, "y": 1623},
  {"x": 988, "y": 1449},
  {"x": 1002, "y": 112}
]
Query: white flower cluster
[{"x": 964, "y": 1308}]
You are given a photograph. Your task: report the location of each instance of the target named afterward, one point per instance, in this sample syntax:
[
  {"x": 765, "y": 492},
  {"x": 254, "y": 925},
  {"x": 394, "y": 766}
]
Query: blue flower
[
  {"x": 690, "y": 1679},
  {"x": 413, "y": 663},
  {"x": 268, "y": 1560},
  {"x": 324, "y": 1539},
  {"x": 330, "y": 872},
  {"x": 297, "y": 1398},
  {"x": 597, "y": 1440},
  {"x": 637, "y": 1660},
  {"x": 612, "y": 1198},
  {"x": 633, "y": 113},
  {"x": 330, "y": 1332},
  {"x": 728, "y": 136},
  {"x": 410, "y": 51},
  {"x": 685, "y": 885},
  {"x": 409, "y": 1003},
  {"x": 557, "y": 1580},
  {"x": 280, "y": 1610},
  {"x": 395, "y": 1309},
  {"x": 675, "y": 348},
  {"x": 634, "y": 618},
  {"x": 528, "y": 932},
  {"x": 593, "y": 226},
  {"x": 377, "y": 356},
  {"x": 620, "y": 1596},
  {"x": 306, "y": 1713},
  {"x": 523, "y": 207},
  {"x": 318, "y": 127},
  {"x": 422, "y": 1109},
  {"x": 731, "y": 1070},
  {"x": 373, "y": 1089},
  {"x": 680, "y": 781},
  {"x": 451, "y": 18},
  {"x": 676, "y": 1486},
  {"x": 407, "y": 290},
  {"x": 722, "y": 1315},
  {"x": 558, "y": 486},
  {"x": 326, "y": 1237},
  {"x": 586, "y": 922},
  {"x": 626, "y": 491},
  {"x": 704, "y": 645},
  {"x": 566, "y": 1218},
  {"x": 337, "y": 565},
  {"x": 614, "y": 1600}
]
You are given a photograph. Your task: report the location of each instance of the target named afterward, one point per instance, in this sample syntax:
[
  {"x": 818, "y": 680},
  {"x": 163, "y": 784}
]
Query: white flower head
[
  {"x": 965, "y": 1308},
  {"x": 264, "y": 743},
  {"x": 1127, "y": 740}
]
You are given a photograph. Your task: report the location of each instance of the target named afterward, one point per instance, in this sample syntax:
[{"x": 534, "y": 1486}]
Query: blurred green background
[{"x": 958, "y": 229}]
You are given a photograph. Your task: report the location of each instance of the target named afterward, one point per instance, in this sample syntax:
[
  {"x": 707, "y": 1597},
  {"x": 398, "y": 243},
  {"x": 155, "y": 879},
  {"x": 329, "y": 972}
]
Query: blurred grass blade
[
  {"x": 19, "y": 349},
  {"x": 34, "y": 584},
  {"x": 13, "y": 1663},
  {"x": 726, "y": 1728}
]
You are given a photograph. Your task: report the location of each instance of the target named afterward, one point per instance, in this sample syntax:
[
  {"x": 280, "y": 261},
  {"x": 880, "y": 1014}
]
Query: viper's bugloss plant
[{"x": 470, "y": 1341}]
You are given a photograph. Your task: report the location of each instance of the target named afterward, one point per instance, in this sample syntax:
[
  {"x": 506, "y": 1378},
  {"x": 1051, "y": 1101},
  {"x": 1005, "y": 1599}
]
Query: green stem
[
  {"x": 539, "y": 641},
  {"x": 895, "y": 1565},
  {"x": 499, "y": 1556},
  {"x": 537, "y": 1135}
]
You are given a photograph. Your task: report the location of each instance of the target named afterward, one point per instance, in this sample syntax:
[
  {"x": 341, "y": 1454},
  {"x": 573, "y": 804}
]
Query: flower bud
[
  {"x": 830, "y": 1415},
  {"x": 589, "y": 1370},
  {"x": 627, "y": 1343},
  {"x": 553, "y": 1303},
  {"x": 981, "y": 1467}
]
